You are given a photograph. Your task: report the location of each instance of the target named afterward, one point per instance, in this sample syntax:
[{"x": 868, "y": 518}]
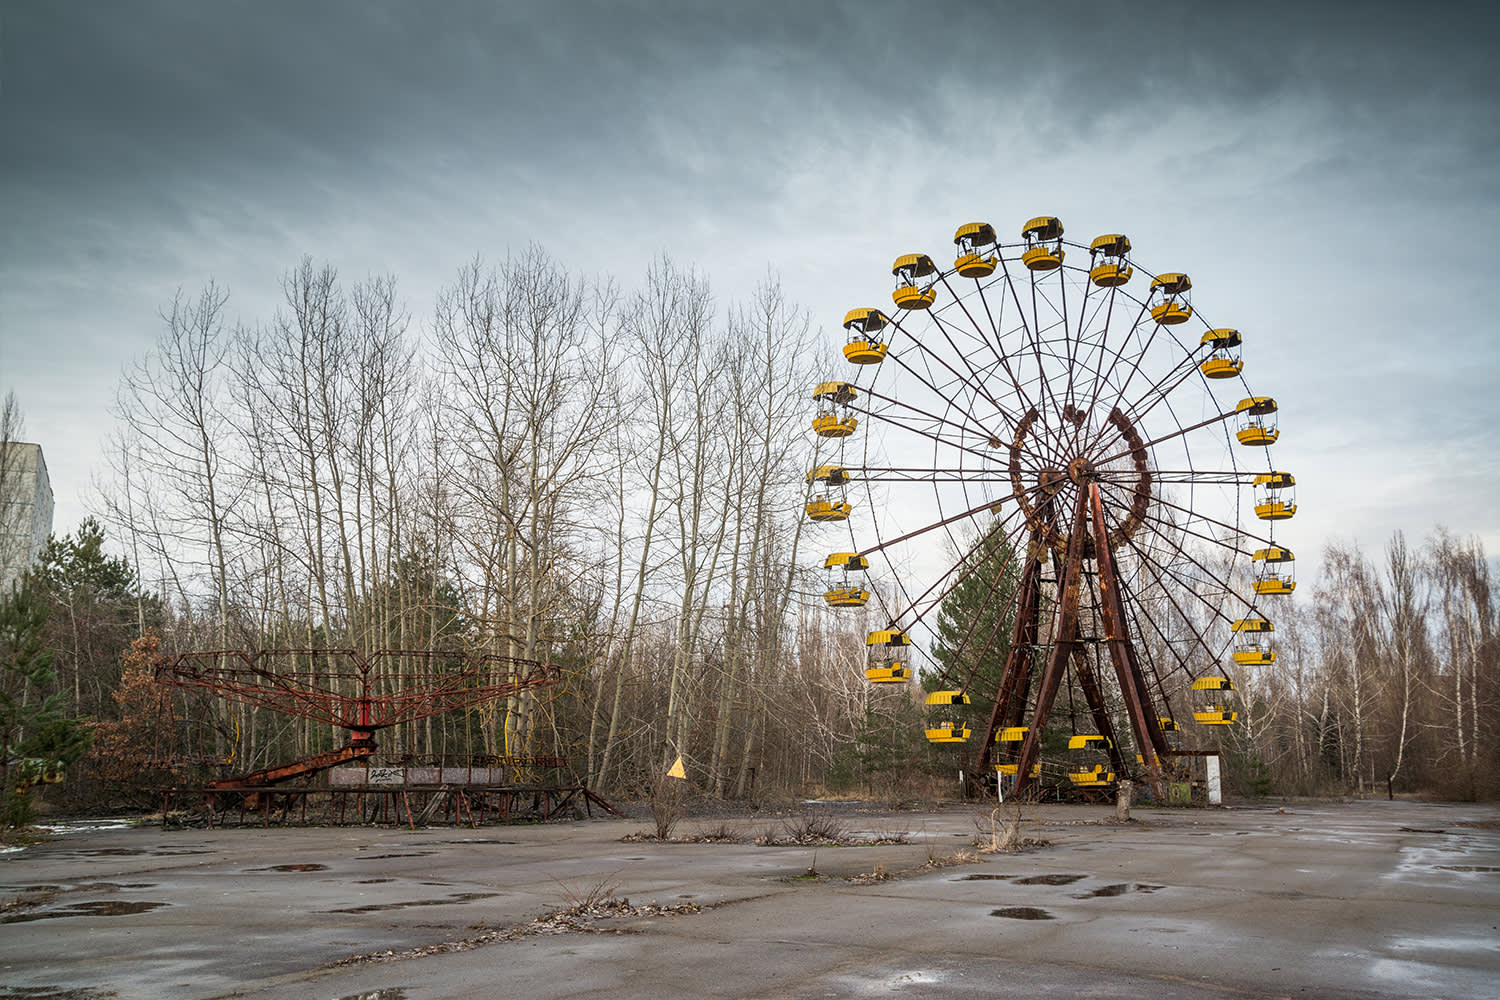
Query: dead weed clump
[
  {"x": 722, "y": 833},
  {"x": 1001, "y": 831},
  {"x": 821, "y": 830},
  {"x": 589, "y": 907}
]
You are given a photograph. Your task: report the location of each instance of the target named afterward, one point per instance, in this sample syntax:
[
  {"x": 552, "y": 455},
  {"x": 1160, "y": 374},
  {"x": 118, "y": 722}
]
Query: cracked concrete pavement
[{"x": 1330, "y": 900}]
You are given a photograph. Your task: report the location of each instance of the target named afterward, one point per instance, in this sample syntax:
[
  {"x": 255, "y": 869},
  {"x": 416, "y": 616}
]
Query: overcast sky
[{"x": 1327, "y": 173}]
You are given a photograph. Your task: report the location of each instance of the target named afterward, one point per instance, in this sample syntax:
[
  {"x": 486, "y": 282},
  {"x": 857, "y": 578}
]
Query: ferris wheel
[{"x": 1059, "y": 436}]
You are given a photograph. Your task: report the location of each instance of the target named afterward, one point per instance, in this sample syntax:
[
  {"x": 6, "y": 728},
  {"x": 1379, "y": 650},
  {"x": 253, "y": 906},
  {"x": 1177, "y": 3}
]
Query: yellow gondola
[
  {"x": 829, "y": 504},
  {"x": 972, "y": 239},
  {"x": 1044, "y": 250},
  {"x": 826, "y": 508},
  {"x": 1275, "y": 496},
  {"x": 843, "y": 592},
  {"x": 864, "y": 346},
  {"x": 1208, "y": 708},
  {"x": 1010, "y": 738},
  {"x": 1252, "y": 642},
  {"x": 907, "y": 269},
  {"x": 1092, "y": 777},
  {"x": 1091, "y": 753},
  {"x": 887, "y": 651},
  {"x": 1224, "y": 359},
  {"x": 833, "y": 475},
  {"x": 1107, "y": 266},
  {"x": 830, "y": 426},
  {"x": 1169, "y": 304},
  {"x": 836, "y": 392},
  {"x": 1257, "y": 421},
  {"x": 949, "y": 732},
  {"x": 833, "y": 419},
  {"x": 1274, "y": 574}
]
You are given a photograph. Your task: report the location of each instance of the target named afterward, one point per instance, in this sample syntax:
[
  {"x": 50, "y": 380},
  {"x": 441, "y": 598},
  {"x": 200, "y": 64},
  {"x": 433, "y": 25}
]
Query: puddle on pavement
[
  {"x": 372, "y": 881},
  {"x": 94, "y": 908},
  {"x": 457, "y": 897},
  {"x": 83, "y": 887},
  {"x": 982, "y": 878},
  {"x": 52, "y": 993},
  {"x": 1466, "y": 868},
  {"x": 388, "y": 993},
  {"x": 291, "y": 868},
  {"x": 1119, "y": 889},
  {"x": 1022, "y": 913},
  {"x": 476, "y": 840},
  {"x": 1050, "y": 880},
  {"x": 130, "y": 852},
  {"x": 383, "y": 857}
]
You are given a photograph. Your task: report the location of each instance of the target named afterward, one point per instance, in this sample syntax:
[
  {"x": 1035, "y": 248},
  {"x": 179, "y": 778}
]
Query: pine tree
[
  {"x": 38, "y": 741},
  {"x": 982, "y": 609}
]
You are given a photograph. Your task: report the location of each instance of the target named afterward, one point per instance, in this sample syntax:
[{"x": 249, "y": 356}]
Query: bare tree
[
  {"x": 530, "y": 355},
  {"x": 173, "y": 404}
]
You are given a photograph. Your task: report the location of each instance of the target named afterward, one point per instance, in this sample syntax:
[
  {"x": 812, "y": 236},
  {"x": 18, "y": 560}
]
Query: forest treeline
[{"x": 549, "y": 467}]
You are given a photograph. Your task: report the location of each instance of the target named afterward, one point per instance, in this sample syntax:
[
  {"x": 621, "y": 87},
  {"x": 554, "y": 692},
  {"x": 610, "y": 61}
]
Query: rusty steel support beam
[
  {"x": 1064, "y": 640},
  {"x": 1143, "y": 715},
  {"x": 1015, "y": 680},
  {"x": 299, "y": 768}
]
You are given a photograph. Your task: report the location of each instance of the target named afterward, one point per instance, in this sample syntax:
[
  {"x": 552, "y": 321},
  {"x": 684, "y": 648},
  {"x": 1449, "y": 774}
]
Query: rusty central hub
[
  {"x": 1051, "y": 480},
  {"x": 1127, "y": 501}
]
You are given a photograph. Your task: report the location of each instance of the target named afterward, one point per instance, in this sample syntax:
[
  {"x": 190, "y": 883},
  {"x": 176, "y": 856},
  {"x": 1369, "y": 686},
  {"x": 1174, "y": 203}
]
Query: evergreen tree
[
  {"x": 981, "y": 607},
  {"x": 38, "y": 741}
]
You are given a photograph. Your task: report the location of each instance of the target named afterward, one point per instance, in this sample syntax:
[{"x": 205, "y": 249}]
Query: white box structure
[{"x": 25, "y": 508}]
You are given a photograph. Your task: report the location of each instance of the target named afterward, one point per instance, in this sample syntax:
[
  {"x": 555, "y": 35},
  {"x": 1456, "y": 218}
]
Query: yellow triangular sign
[{"x": 677, "y": 770}]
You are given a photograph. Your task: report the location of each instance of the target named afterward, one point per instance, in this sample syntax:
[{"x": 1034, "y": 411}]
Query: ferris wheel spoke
[
  {"x": 892, "y": 401},
  {"x": 953, "y": 577},
  {"x": 931, "y": 435},
  {"x": 1207, "y": 477},
  {"x": 1181, "y": 431},
  {"x": 988, "y": 505},
  {"x": 920, "y": 474},
  {"x": 1135, "y": 366},
  {"x": 990, "y": 344},
  {"x": 1208, "y": 575},
  {"x": 1235, "y": 530},
  {"x": 1100, "y": 366},
  {"x": 961, "y": 378},
  {"x": 1033, "y": 337},
  {"x": 1156, "y": 570}
]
